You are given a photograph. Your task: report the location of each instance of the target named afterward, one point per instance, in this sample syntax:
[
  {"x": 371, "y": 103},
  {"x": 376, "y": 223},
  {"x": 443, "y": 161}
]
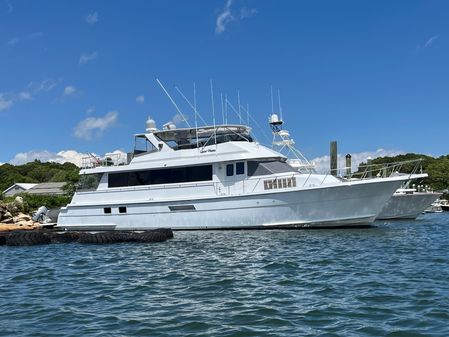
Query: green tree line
[
  {"x": 37, "y": 172},
  {"x": 437, "y": 168}
]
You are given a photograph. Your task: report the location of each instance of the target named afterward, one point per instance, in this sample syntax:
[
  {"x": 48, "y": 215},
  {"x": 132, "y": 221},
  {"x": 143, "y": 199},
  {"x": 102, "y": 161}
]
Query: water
[{"x": 391, "y": 280}]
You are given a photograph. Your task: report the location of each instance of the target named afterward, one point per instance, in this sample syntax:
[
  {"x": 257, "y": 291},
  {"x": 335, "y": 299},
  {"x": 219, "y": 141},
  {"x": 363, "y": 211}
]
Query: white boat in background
[
  {"x": 404, "y": 204},
  {"x": 408, "y": 203},
  {"x": 444, "y": 204},
  {"x": 434, "y": 208},
  {"x": 215, "y": 177}
]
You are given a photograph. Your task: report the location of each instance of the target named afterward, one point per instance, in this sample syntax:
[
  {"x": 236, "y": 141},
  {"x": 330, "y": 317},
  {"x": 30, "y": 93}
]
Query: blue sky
[{"x": 80, "y": 75}]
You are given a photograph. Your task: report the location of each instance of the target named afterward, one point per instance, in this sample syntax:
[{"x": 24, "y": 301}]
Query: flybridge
[
  {"x": 171, "y": 139},
  {"x": 191, "y": 138}
]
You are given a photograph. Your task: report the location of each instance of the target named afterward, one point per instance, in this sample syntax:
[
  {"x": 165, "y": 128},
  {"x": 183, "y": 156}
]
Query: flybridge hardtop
[{"x": 179, "y": 147}]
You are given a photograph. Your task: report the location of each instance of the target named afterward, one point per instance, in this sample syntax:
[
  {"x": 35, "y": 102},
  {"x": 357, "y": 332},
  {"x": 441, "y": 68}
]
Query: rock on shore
[{"x": 13, "y": 218}]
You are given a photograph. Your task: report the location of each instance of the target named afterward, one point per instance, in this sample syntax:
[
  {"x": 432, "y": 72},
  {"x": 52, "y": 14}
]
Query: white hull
[
  {"x": 344, "y": 204},
  {"x": 407, "y": 206}
]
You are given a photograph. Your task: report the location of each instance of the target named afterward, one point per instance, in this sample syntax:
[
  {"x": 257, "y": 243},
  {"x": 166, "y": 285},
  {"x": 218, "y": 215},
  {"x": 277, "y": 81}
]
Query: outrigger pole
[{"x": 173, "y": 102}]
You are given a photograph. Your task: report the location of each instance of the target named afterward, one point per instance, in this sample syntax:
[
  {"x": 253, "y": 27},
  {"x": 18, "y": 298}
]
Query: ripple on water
[{"x": 390, "y": 280}]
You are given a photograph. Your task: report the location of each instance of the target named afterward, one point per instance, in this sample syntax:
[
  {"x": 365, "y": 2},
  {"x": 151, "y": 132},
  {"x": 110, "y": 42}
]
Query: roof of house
[
  {"x": 24, "y": 186},
  {"x": 47, "y": 188}
]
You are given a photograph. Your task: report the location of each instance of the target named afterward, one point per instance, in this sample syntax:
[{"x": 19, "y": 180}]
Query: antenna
[
  {"x": 279, "y": 102},
  {"x": 247, "y": 114},
  {"x": 272, "y": 103},
  {"x": 173, "y": 102},
  {"x": 193, "y": 106},
  {"x": 238, "y": 102},
  {"x": 262, "y": 130},
  {"x": 226, "y": 108},
  {"x": 196, "y": 123},
  {"x": 234, "y": 109},
  {"x": 213, "y": 110},
  {"x": 222, "y": 108}
]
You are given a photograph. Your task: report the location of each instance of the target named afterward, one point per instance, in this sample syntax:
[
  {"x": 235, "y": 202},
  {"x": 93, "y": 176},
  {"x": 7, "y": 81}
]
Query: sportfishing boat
[
  {"x": 215, "y": 177},
  {"x": 408, "y": 203}
]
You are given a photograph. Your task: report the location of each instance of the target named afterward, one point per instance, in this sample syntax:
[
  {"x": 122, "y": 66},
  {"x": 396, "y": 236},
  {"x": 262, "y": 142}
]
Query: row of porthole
[{"x": 121, "y": 210}]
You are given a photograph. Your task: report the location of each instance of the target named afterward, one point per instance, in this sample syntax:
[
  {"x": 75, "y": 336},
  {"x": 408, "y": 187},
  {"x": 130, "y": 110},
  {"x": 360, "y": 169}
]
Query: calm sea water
[{"x": 390, "y": 280}]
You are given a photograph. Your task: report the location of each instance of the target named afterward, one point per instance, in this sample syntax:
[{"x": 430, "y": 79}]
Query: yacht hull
[
  {"x": 407, "y": 206},
  {"x": 340, "y": 205}
]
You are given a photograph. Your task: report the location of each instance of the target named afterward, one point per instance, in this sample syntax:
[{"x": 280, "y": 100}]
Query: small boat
[
  {"x": 434, "y": 208},
  {"x": 444, "y": 204}
]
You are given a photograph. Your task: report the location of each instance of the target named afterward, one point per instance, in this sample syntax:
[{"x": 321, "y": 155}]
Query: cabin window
[
  {"x": 230, "y": 170},
  {"x": 122, "y": 209},
  {"x": 142, "y": 145},
  {"x": 89, "y": 182},
  {"x": 161, "y": 176},
  {"x": 240, "y": 168},
  {"x": 107, "y": 210},
  {"x": 261, "y": 168}
]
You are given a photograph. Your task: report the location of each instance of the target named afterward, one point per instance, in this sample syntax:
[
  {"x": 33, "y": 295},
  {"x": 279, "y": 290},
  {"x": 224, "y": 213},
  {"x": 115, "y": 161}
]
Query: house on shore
[
  {"x": 42, "y": 189},
  {"x": 17, "y": 188}
]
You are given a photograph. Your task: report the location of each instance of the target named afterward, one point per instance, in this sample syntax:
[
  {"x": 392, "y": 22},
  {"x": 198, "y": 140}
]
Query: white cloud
[
  {"x": 45, "y": 85},
  {"x": 26, "y": 157},
  {"x": 322, "y": 164},
  {"x": 90, "y": 110},
  {"x": 8, "y": 99},
  {"x": 5, "y": 103},
  {"x": 64, "y": 156},
  {"x": 224, "y": 18},
  {"x": 430, "y": 41},
  {"x": 95, "y": 126},
  {"x": 24, "y": 96},
  {"x": 247, "y": 12},
  {"x": 85, "y": 57},
  {"x": 91, "y": 18},
  {"x": 70, "y": 90},
  {"x": 140, "y": 99},
  {"x": 15, "y": 40}
]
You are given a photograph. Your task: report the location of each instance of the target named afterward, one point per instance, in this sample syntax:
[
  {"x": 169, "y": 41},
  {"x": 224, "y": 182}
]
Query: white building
[{"x": 17, "y": 188}]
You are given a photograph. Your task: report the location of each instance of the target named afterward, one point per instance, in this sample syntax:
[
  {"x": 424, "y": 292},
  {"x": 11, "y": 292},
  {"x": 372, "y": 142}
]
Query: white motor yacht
[
  {"x": 407, "y": 203},
  {"x": 215, "y": 177}
]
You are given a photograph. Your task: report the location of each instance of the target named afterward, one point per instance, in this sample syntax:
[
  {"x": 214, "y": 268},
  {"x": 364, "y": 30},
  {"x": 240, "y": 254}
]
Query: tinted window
[
  {"x": 161, "y": 176},
  {"x": 89, "y": 182},
  {"x": 268, "y": 167},
  {"x": 230, "y": 170},
  {"x": 240, "y": 168}
]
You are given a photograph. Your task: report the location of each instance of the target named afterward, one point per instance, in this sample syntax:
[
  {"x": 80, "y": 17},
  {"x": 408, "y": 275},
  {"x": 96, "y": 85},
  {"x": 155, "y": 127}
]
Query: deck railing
[{"x": 110, "y": 159}]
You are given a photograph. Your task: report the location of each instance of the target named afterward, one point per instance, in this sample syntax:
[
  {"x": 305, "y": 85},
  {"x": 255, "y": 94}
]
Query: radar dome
[{"x": 151, "y": 125}]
